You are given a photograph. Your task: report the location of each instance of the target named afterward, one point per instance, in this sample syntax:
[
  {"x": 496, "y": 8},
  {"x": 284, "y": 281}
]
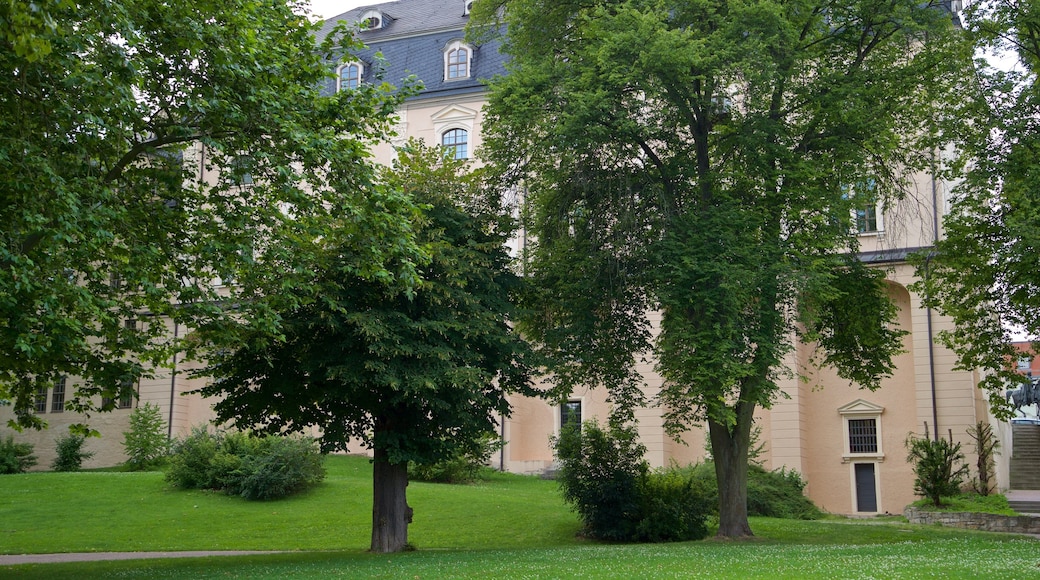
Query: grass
[
  {"x": 510, "y": 526},
  {"x": 989, "y": 504}
]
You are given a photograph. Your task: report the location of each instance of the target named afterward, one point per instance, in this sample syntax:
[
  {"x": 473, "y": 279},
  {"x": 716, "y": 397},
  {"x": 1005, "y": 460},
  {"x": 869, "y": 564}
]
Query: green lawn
[{"x": 510, "y": 527}]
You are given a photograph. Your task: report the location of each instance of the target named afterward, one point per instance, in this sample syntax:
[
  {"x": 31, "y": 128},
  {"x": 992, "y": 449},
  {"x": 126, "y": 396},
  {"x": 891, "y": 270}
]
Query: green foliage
[
  {"x": 279, "y": 467},
  {"x": 124, "y": 122},
  {"x": 692, "y": 160},
  {"x": 777, "y": 494},
  {"x": 465, "y": 466},
  {"x": 416, "y": 375},
  {"x": 986, "y": 447},
  {"x": 15, "y": 457},
  {"x": 69, "y": 452},
  {"x": 146, "y": 443},
  {"x": 936, "y": 472},
  {"x": 993, "y": 503},
  {"x": 240, "y": 463},
  {"x": 983, "y": 273},
  {"x": 191, "y": 464},
  {"x": 604, "y": 477}
]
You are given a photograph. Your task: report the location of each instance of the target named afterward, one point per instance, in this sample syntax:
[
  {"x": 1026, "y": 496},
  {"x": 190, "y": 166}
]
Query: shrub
[
  {"x": 986, "y": 447},
  {"x": 935, "y": 467},
  {"x": 778, "y": 493},
  {"x": 674, "y": 507},
  {"x": 146, "y": 443},
  {"x": 280, "y": 467},
  {"x": 465, "y": 466},
  {"x": 603, "y": 476},
  {"x": 15, "y": 457},
  {"x": 191, "y": 460},
  {"x": 70, "y": 453},
  {"x": 239, "y": 463}
]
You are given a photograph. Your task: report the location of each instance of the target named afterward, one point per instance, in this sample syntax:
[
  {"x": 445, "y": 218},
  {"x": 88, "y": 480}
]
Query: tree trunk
[
  {"x": 390, "y": 512},
  {"x": 729, "y": 446}
]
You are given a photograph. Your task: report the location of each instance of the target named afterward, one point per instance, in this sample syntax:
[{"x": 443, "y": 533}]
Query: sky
[{"x": 330, "y": 8}]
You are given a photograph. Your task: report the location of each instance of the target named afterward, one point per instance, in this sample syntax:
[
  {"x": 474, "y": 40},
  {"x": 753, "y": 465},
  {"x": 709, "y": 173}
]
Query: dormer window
[
  {"x": 349, "y": 76},
  {"x": 467, "y": 6},
  {"x": 372, "y": 20},
  {"x": 457, "y": 59}
]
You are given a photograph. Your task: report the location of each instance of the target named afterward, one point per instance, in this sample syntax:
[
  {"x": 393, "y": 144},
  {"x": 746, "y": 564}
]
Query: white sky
[{"x": 330, "y": 8}]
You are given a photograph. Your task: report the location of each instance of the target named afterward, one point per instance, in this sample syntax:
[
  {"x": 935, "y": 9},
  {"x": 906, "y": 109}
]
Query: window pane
[
  {"x": 863, "y": 436},
  {"x": 570, "y": 414},
  {"x": 458, "y": 63},
  {"x": 58, "y": 399},
  {"x": 41, "y": 400},
  {"x": 349, "y": 77},
  {"x": 456, "y": 142}
]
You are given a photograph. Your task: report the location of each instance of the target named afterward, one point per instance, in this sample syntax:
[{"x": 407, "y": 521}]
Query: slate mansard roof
[{"x": 412, "y": 40}]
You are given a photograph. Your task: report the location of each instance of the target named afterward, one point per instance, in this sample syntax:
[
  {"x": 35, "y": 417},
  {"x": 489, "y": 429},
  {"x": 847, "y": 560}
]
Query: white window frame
[
  {"x": 339, "y": 75},
  {"x": 861, "y": 409},
  {"x": 454, "y": 146},
  {"x": 380, "y": 20},
  {"x": 879, "y": 209},
  {"x": 457, "y": 45}
]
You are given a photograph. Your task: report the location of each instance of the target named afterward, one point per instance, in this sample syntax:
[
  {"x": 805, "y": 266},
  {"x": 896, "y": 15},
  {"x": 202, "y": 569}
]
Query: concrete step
[{"x": 1025, "y": 507}]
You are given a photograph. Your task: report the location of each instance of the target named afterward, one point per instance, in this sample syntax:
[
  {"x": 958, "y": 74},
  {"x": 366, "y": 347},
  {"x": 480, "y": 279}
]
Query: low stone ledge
[{"x": 975, "y": 521}]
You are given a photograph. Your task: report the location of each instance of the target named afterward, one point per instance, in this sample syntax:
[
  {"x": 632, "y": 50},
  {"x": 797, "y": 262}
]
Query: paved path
[{"x": 95, "y": 556}]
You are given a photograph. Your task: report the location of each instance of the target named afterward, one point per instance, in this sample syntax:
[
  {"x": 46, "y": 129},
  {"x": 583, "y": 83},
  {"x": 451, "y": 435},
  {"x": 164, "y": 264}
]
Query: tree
[
  {"x": 984, "y": 274},
  {"x": 153, "y": 148},
  {"x": 936, "y": 469},
  {"x": 413, "y": 376},
  {"x": 702, "y": 159}
]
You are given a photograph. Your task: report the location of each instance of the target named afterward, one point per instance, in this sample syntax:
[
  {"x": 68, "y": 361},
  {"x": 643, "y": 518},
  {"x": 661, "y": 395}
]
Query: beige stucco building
[{"x": 848, "y": 444}]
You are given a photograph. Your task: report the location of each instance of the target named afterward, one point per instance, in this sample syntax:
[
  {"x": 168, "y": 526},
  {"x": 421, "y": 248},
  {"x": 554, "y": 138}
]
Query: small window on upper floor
[
  {"x": 867, "y": 213},
  {"x": 456, "y": 143},
  {"x": 1025, "y": 363},
  {"x": 457, "y": 59},
  {"x": 241, "y": 170},
  {"x": 371, "y": 20},
  {"x": 349, "y": 76}
]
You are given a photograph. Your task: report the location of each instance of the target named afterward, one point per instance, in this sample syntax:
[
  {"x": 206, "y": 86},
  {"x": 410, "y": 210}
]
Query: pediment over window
[
  {"x": 453, "y": 113},
  {"x": 860, "y": 407}
]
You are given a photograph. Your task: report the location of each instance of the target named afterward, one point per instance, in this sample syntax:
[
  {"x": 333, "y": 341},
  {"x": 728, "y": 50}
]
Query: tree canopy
[
  {"x": 985, "y": 274},
  {"x": 702, "y": 159},
  {"x": 152, "y": 150},
  {"x": 413, "y": 376}
]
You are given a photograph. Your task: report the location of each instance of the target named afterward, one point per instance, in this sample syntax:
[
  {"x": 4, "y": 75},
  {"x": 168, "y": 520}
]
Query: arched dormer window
[
  {"x": 467, "y": 5},
  {"x": 371, "y": 20},
  {"x": 456, "y": 143},
  {"x": 349, "y": 76},
  {"x": 457, "y": 60}
]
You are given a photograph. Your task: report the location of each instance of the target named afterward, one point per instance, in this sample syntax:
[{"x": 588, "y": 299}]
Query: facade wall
[{"x": 804, "y": 431}]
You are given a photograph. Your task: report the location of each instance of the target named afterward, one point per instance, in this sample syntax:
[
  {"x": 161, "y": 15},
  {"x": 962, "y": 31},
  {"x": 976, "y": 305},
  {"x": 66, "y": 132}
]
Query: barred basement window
[{"x": 863, "y": 436}]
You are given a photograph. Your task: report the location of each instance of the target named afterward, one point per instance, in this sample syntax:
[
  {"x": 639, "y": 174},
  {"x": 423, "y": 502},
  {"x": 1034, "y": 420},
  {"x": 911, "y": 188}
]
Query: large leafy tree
[
  {"x": 701, "y": 159},
  {"x": 985, "y": 274},
  {"x": 150, "y": 149},
  {"x": 414, "y": 376}
]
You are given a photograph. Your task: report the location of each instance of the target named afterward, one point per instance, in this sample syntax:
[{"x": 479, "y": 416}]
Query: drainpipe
[
  {"x": 173, "y": 384},
  {"x": 928, "y": 311}
]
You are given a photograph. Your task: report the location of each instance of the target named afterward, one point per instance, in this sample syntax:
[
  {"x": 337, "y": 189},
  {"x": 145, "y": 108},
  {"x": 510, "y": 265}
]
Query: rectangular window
[
  {"x": 570, "y": 414},
  {"x": 863, "y": 436},
  {"x": 866, "y": 220},
  {"x": 58, "y": 398},
  {"x": 41, "y": 400}
]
